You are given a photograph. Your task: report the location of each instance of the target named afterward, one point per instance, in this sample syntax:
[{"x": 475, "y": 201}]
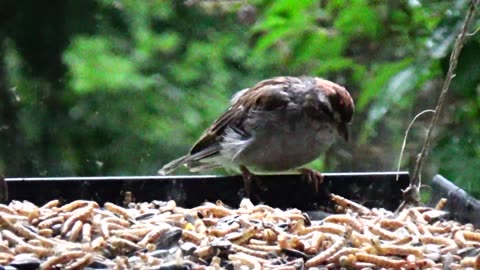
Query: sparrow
[{"x": 278, "y": 125}]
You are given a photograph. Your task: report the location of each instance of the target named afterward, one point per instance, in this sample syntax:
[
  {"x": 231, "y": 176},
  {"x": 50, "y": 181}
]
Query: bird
[{"x": 278, "y": 125}]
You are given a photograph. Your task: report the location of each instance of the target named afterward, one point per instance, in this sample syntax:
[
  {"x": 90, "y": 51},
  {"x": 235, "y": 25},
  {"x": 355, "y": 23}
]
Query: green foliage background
[{"x": 121, "y": 87}]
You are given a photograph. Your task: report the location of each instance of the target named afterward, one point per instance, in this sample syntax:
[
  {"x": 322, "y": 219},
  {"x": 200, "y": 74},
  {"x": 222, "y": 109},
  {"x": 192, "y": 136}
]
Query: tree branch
[{"x": 411, "y": 194}]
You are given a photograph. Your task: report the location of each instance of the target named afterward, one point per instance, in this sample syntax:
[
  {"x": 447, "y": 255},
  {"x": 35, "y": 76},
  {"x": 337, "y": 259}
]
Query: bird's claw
[{"x": 313, "y": 177}]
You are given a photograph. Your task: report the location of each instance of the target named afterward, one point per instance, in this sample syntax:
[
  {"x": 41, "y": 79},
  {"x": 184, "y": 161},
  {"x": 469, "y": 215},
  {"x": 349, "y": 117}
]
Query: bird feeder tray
[
  {"x": 461, "y": 206},
  {"x": 378, "y": 189}
]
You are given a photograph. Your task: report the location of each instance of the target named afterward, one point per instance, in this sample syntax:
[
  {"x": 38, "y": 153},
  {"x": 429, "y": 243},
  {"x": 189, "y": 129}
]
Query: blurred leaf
[
  {"x": 94, "y": 66},
  {"x": 466, "y": 75},
  {"x": 334, "y": 65},
  {"x": 441, "y": 41},
  {"x": 283, "y": 19},
  {"x": 320, "y": 45},
  {"x": 293, "y": 7},
  {"x": 459, "y": 160},
  {"x": 392, "y": 94},
  {"x": 266, "y": 41},
  {"x": 445, "y": 30},
  {"x": 382, "y": 73},
  {"x": 358, "y": 19},
  {"x": 151, "y": 43},
  {"x": 270, "y": 22}
]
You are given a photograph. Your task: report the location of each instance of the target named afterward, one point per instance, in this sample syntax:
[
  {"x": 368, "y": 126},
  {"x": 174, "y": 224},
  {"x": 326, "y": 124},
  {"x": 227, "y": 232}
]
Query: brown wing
[{"x": 268, "y": 95}]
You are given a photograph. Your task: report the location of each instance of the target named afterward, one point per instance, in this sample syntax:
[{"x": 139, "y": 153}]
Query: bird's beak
[{"x": 342, "y": 130}]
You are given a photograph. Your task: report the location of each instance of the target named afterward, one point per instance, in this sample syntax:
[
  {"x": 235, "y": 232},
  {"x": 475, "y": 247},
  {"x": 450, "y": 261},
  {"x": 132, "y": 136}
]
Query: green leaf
[
  {"x": 269, "y": 23},
  {"x": 94, "y": 66},
  {"x": 358, "y": 19},
  {"x": 270, "y": 39},
  {"x": 293, "y": 7},
  {"x": 319, "y": 47},
  {"x": 392, "y": 94},
  {"x": 334, "y": 65},
  {"x": 376, "y": 81},
  {"x": 283, "y": 19},
  {"x": 150, "y": 43}
]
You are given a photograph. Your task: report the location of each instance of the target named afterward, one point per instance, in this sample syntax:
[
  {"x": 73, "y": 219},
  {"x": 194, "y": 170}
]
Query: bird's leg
[
  {"x": 313, "y": 177},
  {"x": 3, "y": 190},
  {"x": 248, "y": 178}
]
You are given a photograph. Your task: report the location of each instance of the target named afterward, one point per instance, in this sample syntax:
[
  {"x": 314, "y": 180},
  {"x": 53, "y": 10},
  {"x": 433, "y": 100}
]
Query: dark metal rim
[{"x": 184, "y": 177}]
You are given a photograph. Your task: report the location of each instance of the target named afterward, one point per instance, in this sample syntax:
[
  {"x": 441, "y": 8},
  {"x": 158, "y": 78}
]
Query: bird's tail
[
  {"x": 173, "y": 165},
  {"x": 195, "y": 162}
]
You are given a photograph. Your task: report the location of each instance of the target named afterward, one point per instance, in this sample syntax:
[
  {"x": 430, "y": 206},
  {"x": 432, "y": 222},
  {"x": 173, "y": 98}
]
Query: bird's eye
[
  {"x": 337, "y": 117},
  {"x": 326, "y": 110}
]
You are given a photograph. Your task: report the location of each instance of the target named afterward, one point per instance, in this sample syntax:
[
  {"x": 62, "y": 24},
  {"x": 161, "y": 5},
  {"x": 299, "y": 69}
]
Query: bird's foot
[
  {"x": 313, "y": 177},
  {"x": 3, "y": 190},
  {"x": 248, "y": 178}
]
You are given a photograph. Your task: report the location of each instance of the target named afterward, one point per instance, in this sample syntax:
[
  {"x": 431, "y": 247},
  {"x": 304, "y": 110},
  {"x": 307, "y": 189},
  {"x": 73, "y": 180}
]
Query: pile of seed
[{"x": 162, "y": 235}]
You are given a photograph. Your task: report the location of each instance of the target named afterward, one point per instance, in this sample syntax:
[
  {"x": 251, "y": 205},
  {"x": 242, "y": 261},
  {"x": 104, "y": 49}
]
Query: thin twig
[
  {"x": 474, "y": 32},
  {"x": 411, "y": 195},
  {"x": 406, "y": 136}
]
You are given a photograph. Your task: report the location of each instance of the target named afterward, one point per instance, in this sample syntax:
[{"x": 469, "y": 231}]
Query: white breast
[{"x": 278, "y": 143}]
